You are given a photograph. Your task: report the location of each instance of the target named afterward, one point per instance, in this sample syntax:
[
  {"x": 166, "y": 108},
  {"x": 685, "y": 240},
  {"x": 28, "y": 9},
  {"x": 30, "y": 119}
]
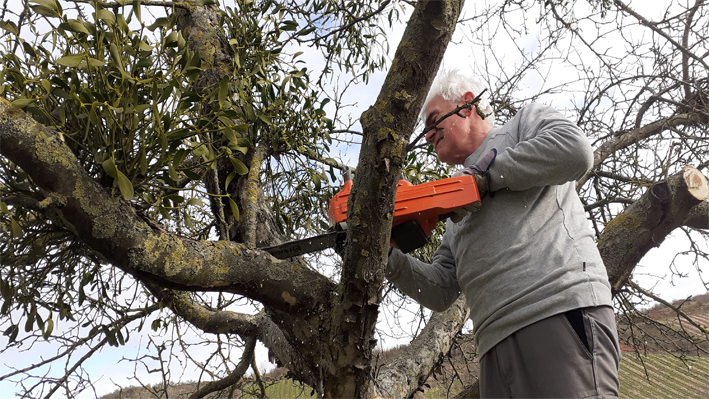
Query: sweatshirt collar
[{"x": 480, "y": 151}]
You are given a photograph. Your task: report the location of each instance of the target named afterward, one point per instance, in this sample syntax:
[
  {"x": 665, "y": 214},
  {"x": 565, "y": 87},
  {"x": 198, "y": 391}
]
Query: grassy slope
[{"x": 669, "y": 377}]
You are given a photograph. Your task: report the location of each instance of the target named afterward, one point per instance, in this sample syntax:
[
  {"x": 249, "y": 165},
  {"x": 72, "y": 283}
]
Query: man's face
[{"x": 456, "y": 137}]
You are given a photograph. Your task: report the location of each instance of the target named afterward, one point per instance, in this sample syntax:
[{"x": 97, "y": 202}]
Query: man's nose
[{"x": 430, "y": 134}]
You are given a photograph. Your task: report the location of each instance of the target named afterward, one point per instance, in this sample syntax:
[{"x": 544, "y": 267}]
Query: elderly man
[{"x": 526, "y": 260}]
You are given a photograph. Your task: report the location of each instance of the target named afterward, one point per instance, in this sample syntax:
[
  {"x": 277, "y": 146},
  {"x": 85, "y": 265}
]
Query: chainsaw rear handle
[{"x": 417, "y": 208}]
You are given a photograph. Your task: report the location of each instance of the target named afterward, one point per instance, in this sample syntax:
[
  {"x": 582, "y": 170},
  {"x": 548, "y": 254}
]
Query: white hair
[{"x": 452, "y": 84}]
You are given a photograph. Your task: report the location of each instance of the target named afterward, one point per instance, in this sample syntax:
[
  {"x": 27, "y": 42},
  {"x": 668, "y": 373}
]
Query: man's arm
[
  {"x": 433, "y": 285},
  {"x": 551, "y": 150}
]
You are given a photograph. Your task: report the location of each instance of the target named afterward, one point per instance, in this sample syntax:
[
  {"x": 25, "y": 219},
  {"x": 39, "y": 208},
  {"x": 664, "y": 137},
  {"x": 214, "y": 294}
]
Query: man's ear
[{"x": 468, "y": 97}]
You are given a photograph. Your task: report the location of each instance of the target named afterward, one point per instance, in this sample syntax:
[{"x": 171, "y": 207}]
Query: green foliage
[
  {"x": 129, "y": 99},
  {"x": 120, "y": 98}
]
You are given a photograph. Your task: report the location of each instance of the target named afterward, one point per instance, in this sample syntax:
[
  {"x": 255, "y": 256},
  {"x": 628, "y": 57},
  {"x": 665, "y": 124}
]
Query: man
[{"x": 526, "y": 260}]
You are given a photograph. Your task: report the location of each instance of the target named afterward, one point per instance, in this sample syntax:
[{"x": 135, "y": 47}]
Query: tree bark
[
  {"x": 645, "y": 224},
  {"x": 698, "y": 217},
  {"x": 405, "y": 375}
]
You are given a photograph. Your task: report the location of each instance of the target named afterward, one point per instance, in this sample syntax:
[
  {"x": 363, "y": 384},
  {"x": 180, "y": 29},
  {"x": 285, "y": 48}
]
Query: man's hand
[
  {"x": 480, "y": 172},
  {"x": 482, "y": 179}
]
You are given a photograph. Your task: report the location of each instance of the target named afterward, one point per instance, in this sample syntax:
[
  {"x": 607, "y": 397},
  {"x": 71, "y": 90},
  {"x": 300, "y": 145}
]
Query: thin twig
[
  {"x": 660, "y": 32},
  {"x": 259, "y": 379},
  {"x": 456, "y": 111},
  {"x": 234, "y": 377},
  {"x": 122, "y": 3},
  {"x": 669, "y": 305},
  {"x": 313, "y": 156},
  {"x": 355, "y": 20}
]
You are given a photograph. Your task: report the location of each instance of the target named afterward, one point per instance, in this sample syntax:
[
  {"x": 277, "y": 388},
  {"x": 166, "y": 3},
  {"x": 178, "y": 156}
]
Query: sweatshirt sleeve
[
  {"x": 550, "y": 150},
  {"x": 433, "y": 285}
]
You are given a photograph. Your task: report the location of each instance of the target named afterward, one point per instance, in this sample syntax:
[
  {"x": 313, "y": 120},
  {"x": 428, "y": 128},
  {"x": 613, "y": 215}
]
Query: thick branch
[
  {"x": 111, "y": 227},
  {"x": 251, "y": 197},
  {"x": 645, "y": 224},
  {"x": 698, "y": 217},
  {"x": 403, "y": 377}
]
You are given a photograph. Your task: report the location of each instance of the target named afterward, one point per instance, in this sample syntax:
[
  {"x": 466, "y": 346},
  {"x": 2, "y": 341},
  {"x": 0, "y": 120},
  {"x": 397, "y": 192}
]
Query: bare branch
[
  {"x": 354, "y": 21},
  {"x": 246, "y": 358},
  {"x": 669, "y": 305},
  {"x": 636, "y": 135},
  {"x": 660, "y": 32}
]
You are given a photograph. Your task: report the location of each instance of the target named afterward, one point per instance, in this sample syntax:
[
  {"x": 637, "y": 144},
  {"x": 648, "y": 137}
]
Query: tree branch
[
  {"x": 251, "y": 196},
  {"x": 633, "y": 136},
  {"x": 123, "y": 3},
  {"x": 403, "y": 377},
  {"x": 259, "y": 379},
  {"x": 685, "y": 43},
  {"x": 645, "y": 224},
  {"x": 325, "y": 161},
  {"x": 660, "y": 32},
  {"x": 226, "y": 322},
  {"x": 235, "y": 375},
  {"x": 669, "y": 305},
  {"x": 386, "y": 128},
  {"x": 698, "y": 217},
  {"x": 354, "y": 21},
  {"x": 76, "y": 365},
  {"x": 112, "y": 228}
]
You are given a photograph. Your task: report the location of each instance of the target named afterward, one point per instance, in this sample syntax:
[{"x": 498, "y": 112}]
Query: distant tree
[{"x": 144, "y": 159}]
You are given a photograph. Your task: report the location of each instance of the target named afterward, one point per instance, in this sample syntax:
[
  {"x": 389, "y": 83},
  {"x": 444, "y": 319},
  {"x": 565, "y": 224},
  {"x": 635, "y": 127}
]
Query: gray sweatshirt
[{"x": 528, "y": 253}]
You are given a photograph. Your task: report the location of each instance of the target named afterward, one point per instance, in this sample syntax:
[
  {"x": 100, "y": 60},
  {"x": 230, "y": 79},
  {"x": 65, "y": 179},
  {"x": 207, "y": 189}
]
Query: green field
[
  {"x": 669, "y": 377},
  {"x": 282, "y": 389}
]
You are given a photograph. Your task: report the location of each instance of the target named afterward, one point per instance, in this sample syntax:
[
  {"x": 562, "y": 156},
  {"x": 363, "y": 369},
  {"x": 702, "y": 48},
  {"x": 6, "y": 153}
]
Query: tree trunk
[{"x": 387, "y": 127}]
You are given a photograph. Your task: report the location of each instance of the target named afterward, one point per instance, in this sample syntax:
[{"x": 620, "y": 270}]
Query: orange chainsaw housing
[{"x": 426, "y": 203}]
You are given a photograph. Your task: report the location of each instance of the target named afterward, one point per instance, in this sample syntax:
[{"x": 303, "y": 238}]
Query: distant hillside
[
  {"x": 673, "y": 334},
  {"x": 651, "y": 373}
]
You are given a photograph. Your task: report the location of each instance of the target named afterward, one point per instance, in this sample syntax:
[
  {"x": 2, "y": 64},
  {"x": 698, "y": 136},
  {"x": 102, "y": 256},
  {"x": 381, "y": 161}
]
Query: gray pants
[{"x": 570, "y": 355}]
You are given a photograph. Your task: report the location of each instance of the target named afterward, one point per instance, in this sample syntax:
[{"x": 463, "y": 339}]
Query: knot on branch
[{"x": 661, "y": 192}]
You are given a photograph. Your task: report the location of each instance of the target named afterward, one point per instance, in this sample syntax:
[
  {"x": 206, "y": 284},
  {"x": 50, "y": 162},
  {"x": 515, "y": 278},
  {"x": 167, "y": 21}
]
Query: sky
[{"x": 652, "y": 272}]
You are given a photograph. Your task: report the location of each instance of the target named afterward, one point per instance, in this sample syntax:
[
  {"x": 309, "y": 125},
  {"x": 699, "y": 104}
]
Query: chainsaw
[{"x": 417, "y": 210}]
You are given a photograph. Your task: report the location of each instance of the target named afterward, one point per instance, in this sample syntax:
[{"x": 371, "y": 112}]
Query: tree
[{"x": 146, "y": 159}]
